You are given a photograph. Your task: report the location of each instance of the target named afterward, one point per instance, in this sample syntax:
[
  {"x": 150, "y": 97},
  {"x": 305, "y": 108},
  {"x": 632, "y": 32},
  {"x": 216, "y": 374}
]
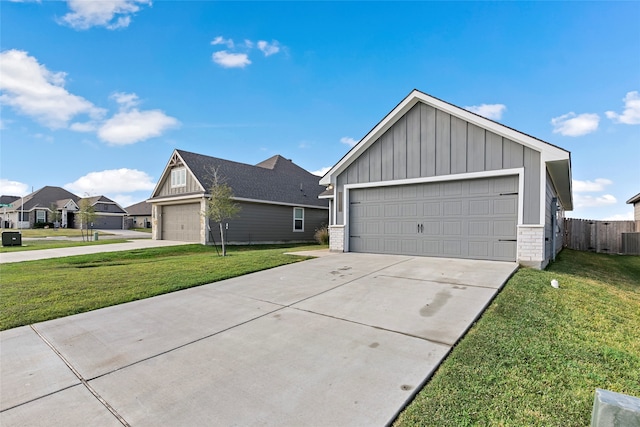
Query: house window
[
  {"x": 178, "y": 177},
  {"x": 298, "y": 219},
  {"x": 24, "y": 216},
  {"x": 41, "y": 216}
]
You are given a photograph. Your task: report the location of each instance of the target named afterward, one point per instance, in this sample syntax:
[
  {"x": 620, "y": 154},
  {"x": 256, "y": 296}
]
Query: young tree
[
  {"x": 220, "y": 206},
  {"x": 87, "y": 215},
  {"x": 56, "y": 215}
]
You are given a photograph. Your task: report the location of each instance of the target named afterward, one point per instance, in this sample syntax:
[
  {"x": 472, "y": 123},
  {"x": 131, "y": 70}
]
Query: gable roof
[
  {"x": 7, "y": 200},
  {"x": 44, "y": 198},
  {"x": 558, "y": 160},
  {"x": 635, "y": 199},
  {"x": 94, "y": 200},
  {"x": 276, "y": 179},
  {"x": 139, "y": 209}
]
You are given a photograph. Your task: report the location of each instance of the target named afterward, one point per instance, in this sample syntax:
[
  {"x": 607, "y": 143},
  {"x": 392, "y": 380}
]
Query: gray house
[
  {"x": 434, "y": 179},
  {"x": 39, "y": 208},
  {"x": 138, "y": 215},
  {"x": 278, "y": 199},
  {"x": 109, "y": 214}
]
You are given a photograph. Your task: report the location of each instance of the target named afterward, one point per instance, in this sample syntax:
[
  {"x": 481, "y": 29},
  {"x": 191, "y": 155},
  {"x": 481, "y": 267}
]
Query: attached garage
[
  {"x": 433, "y": 179},
  {"x": 181, "y": 222},
  {"x": 458, "y": 219}
]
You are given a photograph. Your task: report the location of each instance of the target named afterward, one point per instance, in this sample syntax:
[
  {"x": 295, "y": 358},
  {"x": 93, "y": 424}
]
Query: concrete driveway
[{"x": 342, "y": 340}]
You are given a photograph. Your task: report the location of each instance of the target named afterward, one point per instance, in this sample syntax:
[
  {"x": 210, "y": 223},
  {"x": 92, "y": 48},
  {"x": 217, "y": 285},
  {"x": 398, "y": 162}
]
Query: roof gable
[
  {"x": 558, "y": 160},
  {"x": 276, "y": 179}
]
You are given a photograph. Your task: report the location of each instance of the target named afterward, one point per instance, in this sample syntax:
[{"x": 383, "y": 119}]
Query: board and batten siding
[
  {"x": 427, "y": 142},
  {"x": 192, "y": 186},
  {"x": 262, "y": 223}
]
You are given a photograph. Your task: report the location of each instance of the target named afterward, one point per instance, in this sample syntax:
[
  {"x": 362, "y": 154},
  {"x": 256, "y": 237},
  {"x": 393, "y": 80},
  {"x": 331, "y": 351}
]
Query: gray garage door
[
  {"x": 474, "y": 219},
  {"x": 181, "y": 222}
]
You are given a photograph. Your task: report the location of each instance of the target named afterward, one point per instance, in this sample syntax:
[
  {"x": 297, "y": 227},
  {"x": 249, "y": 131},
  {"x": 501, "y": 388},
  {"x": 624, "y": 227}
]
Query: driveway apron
[{"x": 345, "y": 339}]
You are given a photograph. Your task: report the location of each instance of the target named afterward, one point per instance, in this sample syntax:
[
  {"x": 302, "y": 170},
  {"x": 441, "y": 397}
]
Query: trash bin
[
  {"x": 95, "y": 236},
  {"x": 11, "y": 238}
]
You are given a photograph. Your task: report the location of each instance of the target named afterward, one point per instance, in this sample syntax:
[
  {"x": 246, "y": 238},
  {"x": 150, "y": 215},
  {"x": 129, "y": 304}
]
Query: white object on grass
[{"x": 554, "y": 284}]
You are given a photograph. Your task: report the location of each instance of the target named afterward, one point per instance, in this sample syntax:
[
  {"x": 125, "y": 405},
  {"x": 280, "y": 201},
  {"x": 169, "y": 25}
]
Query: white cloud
[
  {"x": 269, "y": 48},
  {"x": 13, "y": 188},
  {"x": 582, "y": 201},
  {"x": 125, "y": 100},
  {"x": 571, "y": 124},
  {"x": 231, "y": 60},
  {"x": 221, "y": 40},
  {"x": 349, "y": 141},
  {"x": 129, "y": 127},
  {"x": 248, "y": 43},
  {"x": 111, "y": 14},
  {"x": 620, "y": 217},
  {"x": 33, "y": 90},
  {"x": 631, "y": 113},
  {"x": 322, "y": 171},
  {"x": 490, "y": 111},
  {"x": 112, "y": 181},
  {"x": 590, "y": 186}
]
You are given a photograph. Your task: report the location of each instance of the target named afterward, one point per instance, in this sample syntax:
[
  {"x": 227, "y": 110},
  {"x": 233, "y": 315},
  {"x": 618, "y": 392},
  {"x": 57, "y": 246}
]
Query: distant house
[
  {"x": 635, "y": 201},
  {"x": 51, "y": 205},
  {"x": 279, "y": 200},
  {"x": 109, "y": 214},
  {"x": 138, "y": 215}
]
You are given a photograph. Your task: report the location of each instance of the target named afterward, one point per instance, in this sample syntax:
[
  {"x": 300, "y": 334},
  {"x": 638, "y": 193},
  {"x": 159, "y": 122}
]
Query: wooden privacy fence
[{"x": 611, "y": 237}]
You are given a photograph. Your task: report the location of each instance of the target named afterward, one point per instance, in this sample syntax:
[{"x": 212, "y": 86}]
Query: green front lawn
[
  {"x": 537, "y": 354},
  {"x": 51, "y": 232},
  {"x": 34, "y": 245},
  {"x": 35, "y": 291}
]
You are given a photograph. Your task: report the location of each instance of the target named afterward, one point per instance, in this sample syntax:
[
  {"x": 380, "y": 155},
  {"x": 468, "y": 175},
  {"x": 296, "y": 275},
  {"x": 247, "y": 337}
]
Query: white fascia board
[
  {"x": 176, "y": 199},
  {"x": 268, "y": 202}
]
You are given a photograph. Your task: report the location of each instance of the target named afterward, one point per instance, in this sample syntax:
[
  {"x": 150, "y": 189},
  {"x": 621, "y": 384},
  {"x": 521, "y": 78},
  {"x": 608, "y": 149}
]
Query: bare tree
[
  {"x": 220, "y": 206},
  {"x": 87, "y": 215},
  {"x": 56, "y": 215}
]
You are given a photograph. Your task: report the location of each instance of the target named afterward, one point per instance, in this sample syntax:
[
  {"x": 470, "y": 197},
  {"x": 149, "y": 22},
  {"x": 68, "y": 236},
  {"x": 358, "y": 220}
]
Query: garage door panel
[
  {"x": 469, "y": 219},
  {"x": 181, "y": 222}
]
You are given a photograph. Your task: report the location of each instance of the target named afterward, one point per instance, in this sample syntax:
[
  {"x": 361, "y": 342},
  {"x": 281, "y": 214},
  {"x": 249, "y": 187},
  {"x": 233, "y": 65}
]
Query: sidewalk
[{"x": 84, "y": 250}]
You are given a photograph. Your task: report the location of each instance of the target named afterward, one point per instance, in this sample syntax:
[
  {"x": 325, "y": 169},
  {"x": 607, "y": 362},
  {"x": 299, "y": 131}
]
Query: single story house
[
  {"x": 434, "y": 179},
  {"x": 278, "y": 200},
  {"x": 138, "y": 215},
  {"x": 109, "y": 214},
  {"x": 55, "y": 204},
  {"x": 635, "y": 201}
]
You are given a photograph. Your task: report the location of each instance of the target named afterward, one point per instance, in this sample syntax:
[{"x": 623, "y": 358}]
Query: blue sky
[{"x": 95, "y": 95}]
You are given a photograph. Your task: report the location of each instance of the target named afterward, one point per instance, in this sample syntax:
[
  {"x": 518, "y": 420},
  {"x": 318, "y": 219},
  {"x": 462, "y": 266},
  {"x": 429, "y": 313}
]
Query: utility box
[
  {"x": 95, "y": 236},
  {"x": 11, "y": 238}
]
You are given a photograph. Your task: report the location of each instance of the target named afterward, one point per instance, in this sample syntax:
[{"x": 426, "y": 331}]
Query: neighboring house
[
  {"x": 635, "y": 201},
  {"x": 138, "y": 215},
  {"x": 109, "y": 214},
  {"x": 434, "y": 179},
  {"x": 278, "y": 199},
  {"x": 39, "y": 206},
  {"x": 6, "y": 203}
]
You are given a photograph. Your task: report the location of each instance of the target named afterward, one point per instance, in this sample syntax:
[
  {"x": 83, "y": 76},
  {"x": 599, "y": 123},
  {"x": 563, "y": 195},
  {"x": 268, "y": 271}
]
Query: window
[
  {"x": 178, "y": 177},
  {"x": 298, "y": 219},
  {"x": 41, "y": 216},
  {"x": 23, "y": 216}
]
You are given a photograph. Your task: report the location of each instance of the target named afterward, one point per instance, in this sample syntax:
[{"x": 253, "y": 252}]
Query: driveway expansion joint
[{"x": 82, "y": 379}]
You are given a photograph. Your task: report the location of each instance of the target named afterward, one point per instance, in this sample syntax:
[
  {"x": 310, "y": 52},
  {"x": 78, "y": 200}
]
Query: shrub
[
  {"x": 322, "y": 235},
  {"x": 43, "y": 225}
]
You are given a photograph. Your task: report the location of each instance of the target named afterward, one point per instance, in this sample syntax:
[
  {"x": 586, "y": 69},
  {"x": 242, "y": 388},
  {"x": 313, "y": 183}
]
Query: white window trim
[
  {"x": 298, "y": 219},
  {"x": 41, "y": 216},
  {"x": 179, "y": 174}
]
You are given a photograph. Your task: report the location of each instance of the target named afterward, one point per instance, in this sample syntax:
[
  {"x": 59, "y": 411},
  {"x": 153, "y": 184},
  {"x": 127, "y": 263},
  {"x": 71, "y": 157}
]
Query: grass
[
  {"x": 142, "y": 230},
  {"x": 51, "y": 232},
  {"x": 35, "y": 291},
  {"x": 33, "y": 245},
  {"x": 537, "y": 354}
]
